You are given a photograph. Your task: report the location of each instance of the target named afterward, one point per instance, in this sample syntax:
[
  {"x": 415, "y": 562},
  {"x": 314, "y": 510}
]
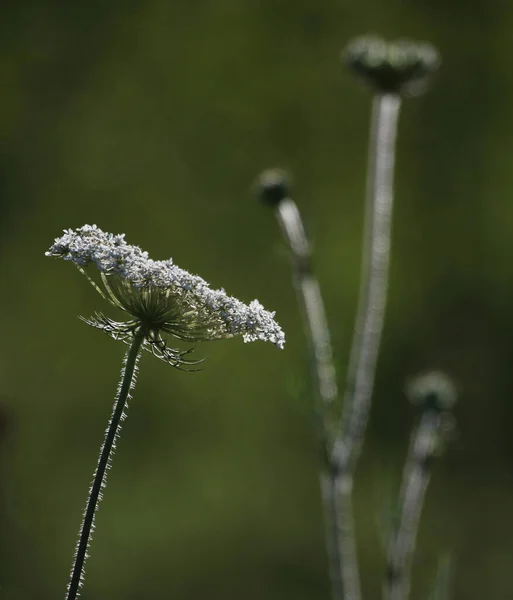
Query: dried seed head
[{"x": 399, "y": 67}]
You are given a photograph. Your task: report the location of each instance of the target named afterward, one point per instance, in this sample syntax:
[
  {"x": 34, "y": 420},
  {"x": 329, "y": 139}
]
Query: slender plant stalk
[
  {"x": 343, "y": 446},
  {"x": 368, "y": 328},
  {"x": 374, "y": 278},
  {"x": 312, "y": 306},
  {"x": 126, "y": 385},
  {"x": 341, "y": 533},
  {"x": 339, "y": 542},
  {"x": 415, "y": 481},
  {"x": 443, "y": 580}
]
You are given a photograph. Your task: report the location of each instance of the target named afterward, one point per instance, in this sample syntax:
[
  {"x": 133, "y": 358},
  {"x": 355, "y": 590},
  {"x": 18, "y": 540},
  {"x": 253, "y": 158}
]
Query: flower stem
[
  {"x": 338, "y": 539},
  {"x": 368, "y": 328},
  {"x": 312, "y": 307},
  {"x": 416, "y": 477},
  {"x": 126, "y": 385},
  {"x": 340, "y": 536},
  {"x": 374, "y": 282}
]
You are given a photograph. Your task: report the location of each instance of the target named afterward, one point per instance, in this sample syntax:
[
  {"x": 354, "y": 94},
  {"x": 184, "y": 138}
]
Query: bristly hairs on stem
[
  {"x": 393, "y": 70},
  {"x": 273, "y": 188},
  {"x": 435, "y": 396},
  {"x": 123, "y": 394},
  {"x": 159, "y": 299},
  {"x": 374, "y": 281}
]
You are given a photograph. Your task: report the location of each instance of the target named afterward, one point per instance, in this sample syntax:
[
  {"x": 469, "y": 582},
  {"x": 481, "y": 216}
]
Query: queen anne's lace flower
[{"x": 160, "y": 297}]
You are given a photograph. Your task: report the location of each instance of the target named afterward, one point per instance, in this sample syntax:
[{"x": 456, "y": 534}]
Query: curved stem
[
  {"x": 374, "y": 281},
  {"x": 311, "y": 305},
  {"x": 413, "y": 490},
  {"x": 126, "y": 385},
  {"x": 339, "y": 541}
]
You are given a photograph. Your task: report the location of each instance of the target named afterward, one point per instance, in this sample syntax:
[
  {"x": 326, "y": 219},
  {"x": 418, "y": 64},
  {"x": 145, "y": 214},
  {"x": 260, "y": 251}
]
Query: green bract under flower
[{"x": 159, "y": 297}]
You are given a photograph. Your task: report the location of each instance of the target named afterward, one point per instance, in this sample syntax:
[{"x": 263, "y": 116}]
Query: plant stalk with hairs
[
  {"x": 159, "y": 299},
  {"x": 435, "y": 396},
  {"x": 393, "y": 70}
]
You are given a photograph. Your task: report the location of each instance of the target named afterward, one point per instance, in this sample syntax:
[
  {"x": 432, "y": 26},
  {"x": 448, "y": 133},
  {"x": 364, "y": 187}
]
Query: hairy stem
[
  {"x": 416, "y": 477},
  {"x": 340, "y": 534},
  {"x": 374, "y": 280},
  {"x": 126, "y": 385},
  {"x": 339, "y": 540},
  {"x": 368, "y": 328},
  {"x": 312, "y": 307}
]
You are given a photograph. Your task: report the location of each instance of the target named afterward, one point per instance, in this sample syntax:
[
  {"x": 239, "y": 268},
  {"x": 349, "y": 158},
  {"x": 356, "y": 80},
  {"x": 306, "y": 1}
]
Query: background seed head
[
  {"x": 273, "y": 186},
  {"x": 397, "y": 67}
]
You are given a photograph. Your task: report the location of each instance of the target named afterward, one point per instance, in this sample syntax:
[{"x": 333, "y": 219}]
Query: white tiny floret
[{"x": 215, "y": 313}]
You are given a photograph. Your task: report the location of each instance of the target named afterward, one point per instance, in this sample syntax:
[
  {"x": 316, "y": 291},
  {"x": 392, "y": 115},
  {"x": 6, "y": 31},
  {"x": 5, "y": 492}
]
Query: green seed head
[
  {"x": 273, "y": 186},
  {"x": 399, "y": 67},
  {"x": 433, "y": 391}
]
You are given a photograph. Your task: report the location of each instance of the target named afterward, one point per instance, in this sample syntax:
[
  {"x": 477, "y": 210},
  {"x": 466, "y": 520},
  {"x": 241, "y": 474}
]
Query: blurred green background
[{"x": 153, "y": 118}]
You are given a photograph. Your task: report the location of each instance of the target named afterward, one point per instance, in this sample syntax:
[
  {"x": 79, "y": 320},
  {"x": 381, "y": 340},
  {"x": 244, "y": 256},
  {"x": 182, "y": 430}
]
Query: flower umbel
[{"x": 160, "y": 297}]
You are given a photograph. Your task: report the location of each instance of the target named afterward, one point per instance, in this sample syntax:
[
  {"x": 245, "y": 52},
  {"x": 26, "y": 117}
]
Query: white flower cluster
[{"x": 219, "y": 315}]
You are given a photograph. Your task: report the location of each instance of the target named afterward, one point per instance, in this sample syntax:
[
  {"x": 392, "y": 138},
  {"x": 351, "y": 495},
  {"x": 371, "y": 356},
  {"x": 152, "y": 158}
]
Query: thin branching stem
[
  {"x": 416, "y": 475},
  {"x": 126, "y": 385},
  {"x": 338, "y": 542},
  {"x": 344, "y": 445}
]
